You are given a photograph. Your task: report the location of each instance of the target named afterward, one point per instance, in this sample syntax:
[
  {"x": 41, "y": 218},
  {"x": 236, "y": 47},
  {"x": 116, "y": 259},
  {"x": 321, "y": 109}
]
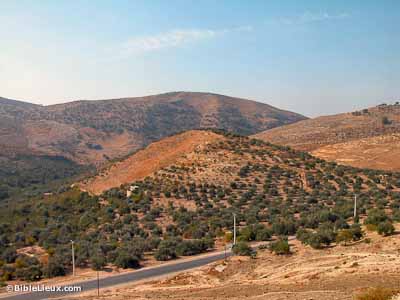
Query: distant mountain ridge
[{"x": 92, "y": 132}]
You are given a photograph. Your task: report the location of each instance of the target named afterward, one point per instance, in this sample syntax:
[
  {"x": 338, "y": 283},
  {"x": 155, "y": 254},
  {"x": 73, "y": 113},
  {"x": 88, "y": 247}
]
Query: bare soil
[
  {"x": 360, "y": 139},
  {"x": 381, "y": 152}
]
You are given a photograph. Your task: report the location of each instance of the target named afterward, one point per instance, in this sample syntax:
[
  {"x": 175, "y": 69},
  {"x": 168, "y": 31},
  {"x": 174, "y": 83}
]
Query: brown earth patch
[
  {"x": 381, "y": 152},
  {"x": 149, "y": 160}
]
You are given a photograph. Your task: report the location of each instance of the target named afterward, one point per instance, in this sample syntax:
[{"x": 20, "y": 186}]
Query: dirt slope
[
  {"x": 380, "y": 152},
  {"x": 368, "y": 138},
  {"x": 151, "y": 159}
]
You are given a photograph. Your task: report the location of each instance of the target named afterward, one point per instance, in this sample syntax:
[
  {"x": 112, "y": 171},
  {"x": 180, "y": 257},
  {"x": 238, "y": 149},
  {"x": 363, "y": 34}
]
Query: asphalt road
[{"x": 123, "y": 278}]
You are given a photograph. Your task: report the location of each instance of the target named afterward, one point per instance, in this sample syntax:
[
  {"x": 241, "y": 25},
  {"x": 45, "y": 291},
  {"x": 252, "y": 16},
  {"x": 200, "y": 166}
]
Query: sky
[{"x": 311, "y": 57}]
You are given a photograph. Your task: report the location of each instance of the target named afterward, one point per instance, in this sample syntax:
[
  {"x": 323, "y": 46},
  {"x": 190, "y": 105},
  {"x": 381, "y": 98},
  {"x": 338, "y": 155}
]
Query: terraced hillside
[{"x": 185, "y": 207}]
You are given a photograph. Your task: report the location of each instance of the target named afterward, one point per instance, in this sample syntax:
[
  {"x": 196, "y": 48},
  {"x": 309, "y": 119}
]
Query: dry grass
[
  {"x": 375, "y": 152},
  {"x": 358, "y": 140},
  {"x": 377, "y": 294}
]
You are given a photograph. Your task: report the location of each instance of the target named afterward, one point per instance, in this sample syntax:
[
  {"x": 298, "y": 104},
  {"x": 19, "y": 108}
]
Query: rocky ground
[{"x": 380, "y": 152}]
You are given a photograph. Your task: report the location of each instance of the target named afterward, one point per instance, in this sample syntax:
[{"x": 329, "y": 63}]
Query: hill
[
  {"x": 359, "y": 139},
  {"x": 149, "y": 160},
  {"x": 92, "y": 132},
  {"x": 184, "y": 205}
]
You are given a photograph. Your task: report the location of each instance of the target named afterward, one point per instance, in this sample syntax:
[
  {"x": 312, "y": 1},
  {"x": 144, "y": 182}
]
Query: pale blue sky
[{"x": 312, "y": 57}]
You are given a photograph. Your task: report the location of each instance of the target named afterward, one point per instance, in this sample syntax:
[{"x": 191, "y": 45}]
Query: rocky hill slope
[
  {"x": 360, "y": 139},
  {"x": 91, "y": 132}
]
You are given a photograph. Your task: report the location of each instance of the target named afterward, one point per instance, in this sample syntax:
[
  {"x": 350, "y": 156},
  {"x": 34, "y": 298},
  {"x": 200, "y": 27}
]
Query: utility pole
[
  {"x": 73, "y": 257},
  {"x": 225, "y": 253},
  {"x": 355, "y": 207},
  {"x": 234, "y": 229},
  {"x": 98, "y": 284}
]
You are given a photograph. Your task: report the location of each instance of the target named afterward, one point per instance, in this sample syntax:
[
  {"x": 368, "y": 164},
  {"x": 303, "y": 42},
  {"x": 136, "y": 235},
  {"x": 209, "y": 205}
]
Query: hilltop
[
  {"x": 149, "y": 160},
  {"x": 92, "y": 132},
  {"x": 366, "y": 138}
]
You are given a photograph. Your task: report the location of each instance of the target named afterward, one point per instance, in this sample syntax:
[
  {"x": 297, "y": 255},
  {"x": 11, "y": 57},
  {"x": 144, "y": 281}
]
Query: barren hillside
[
  {"x": 378, "y": 152},
  {"x": 364, "y": 138}
]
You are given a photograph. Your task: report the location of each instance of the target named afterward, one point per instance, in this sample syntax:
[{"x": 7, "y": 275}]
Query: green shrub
[
  {"x": 191, "y": 247},
  {"x": 243, "y": 249},
  {"x": 315, "y": 241},
  {"x": 356, "y": 231},
  {"x": 246, "y": 234},
  {"x": 326, "y": 233},
  {"x": 385, "y": 228},
  {"x": 9, "y": 255},
  {"x": 303, "y": 235},
  {"x": 97, "y": 262},
  {"x": 30, "y": 273},
  {"x": 375, "y": 216},
  {"x": 280, "y": 247},
  {"x": 54, "y": 267},
  {"x": 127, "y": 261},
  {"x": 167, "y": 250}
]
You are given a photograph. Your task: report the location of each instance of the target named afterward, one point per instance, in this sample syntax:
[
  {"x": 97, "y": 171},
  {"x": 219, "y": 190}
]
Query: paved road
[
  {"x": 129, "y": 277},
  {"x": 124, "y": 278}
]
